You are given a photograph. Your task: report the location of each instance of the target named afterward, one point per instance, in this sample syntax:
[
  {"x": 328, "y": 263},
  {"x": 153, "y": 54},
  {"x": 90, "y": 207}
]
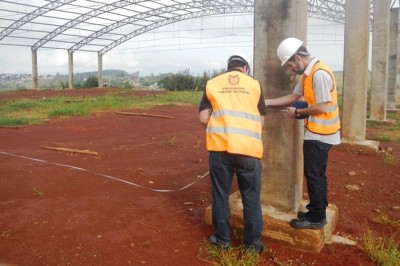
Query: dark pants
[
  {"x": 248, "y": 172},
  {"x": 315, "y": 162}
]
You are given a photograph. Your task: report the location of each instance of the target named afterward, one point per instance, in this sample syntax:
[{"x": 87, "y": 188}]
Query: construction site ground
[{"x": 132, "y": 190}]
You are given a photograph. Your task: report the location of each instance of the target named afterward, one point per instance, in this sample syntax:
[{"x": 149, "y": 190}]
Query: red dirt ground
[{"x": 59, "y": 208}]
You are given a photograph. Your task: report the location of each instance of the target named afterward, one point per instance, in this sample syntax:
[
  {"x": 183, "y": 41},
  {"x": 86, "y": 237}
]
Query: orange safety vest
[
  {"x": 326, "y": 123},
  {"x": 235, "y": 123}
]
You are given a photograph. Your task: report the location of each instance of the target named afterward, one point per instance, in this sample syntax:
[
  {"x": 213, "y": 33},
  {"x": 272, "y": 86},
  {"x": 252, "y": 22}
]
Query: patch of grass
[
  {"x": 34, "y": 111},
  {"x": 382, "y": 251},
  {"x": 236, "y": 256},
  {"x": 386, "y": 220},
  {"x": 384, "y": 138},
  {"x": 390, "y": 159},
  {"x": 37, "y": 192},
  {"x": 11, "y": 121},
  {"x": 171, "y": 141},
  {"x": 67, "y": 111},
  {"x": 386, "y": 131}
]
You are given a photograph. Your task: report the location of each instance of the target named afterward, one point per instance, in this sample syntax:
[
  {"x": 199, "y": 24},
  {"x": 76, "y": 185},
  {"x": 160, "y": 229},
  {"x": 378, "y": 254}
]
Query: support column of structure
[
  {"x": 397, "y": 85},
  {"x": 282, "y": 185},
  {"x": 355, "y": 77},
  {"x": 380, "y": 51},
  {"x": 35, "y": 78},
  {"x": 355, "y": 74},
  {"x": 276, "y": 20},
  {"x": 282, "y": 178},
  {"x": 100, "y": 70},
  {"x": 71, "y": 70},
  {"x": 393, "y": 58}
]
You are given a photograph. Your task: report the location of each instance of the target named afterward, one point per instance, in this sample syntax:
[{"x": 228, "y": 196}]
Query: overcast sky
[{"x": 202, "y": 44}]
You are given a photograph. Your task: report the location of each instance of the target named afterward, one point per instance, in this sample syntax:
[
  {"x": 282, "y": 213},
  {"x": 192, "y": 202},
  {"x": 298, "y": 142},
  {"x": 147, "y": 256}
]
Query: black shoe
[
  {"x": 306, "y": 224},
  {"x": 218, "y": 242},
  {"x": 301, "y": 215},
  {"x": 255, "y": 249}
]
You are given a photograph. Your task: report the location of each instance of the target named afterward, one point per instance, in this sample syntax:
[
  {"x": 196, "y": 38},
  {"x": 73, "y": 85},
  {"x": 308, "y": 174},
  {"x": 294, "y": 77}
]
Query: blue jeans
[
  {"x": 315, "y": 162},
  {"x": 248, "y": 172}
]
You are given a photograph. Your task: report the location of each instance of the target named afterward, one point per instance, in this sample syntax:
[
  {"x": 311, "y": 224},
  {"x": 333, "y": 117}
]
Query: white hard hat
[
  {"x": 240, "y": 57},
  {"x": 287, "y": 48}
]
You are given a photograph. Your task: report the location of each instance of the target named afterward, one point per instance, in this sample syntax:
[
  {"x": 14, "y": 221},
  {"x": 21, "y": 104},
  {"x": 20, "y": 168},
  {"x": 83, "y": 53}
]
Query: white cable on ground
[{"x": 103, "y": 175}]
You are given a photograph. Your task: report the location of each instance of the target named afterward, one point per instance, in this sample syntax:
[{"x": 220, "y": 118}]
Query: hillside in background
[{"x": 111, "y": 78}]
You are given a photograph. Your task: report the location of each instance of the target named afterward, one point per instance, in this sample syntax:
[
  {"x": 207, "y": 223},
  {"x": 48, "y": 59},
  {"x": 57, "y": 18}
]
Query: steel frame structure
[{"x": 101, "y": 25}]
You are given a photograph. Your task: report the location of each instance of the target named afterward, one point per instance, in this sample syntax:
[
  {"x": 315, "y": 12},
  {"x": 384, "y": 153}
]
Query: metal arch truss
[
  {"x": 32, "y": 15},
  {"x": 94, "y": 19},
  {"x": 229, "y": 10},
  {"x": 214, "y": 7},
  {"x": 331, "y": 10}
]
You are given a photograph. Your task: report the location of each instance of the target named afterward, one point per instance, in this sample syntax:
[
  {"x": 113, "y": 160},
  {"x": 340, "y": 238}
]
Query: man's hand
[{"x": 291, "y": 111}]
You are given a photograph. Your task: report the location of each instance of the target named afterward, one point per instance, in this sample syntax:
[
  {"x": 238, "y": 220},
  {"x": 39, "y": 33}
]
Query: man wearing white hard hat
[
  {"x": 321, "y": 126},
  {"x": 233, "y": 110}
]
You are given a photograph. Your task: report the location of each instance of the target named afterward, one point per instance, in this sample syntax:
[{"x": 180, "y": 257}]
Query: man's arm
[
  {"x": 282, "y": 101},
  {"x": 204, "y": 116}
]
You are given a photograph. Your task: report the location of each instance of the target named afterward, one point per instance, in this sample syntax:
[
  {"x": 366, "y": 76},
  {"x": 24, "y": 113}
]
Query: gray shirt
[{"x": 322, "y": 84}]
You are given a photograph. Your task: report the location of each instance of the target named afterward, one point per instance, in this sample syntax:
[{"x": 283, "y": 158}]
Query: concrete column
[
  {"x": 380, "y": 51},
  {"x": 100, "y": 70},
  {"x": 71, "y": 70},
  {"x": 397, "y": 85},
  {"x": 282, "y": 182},
  {"x": 355, "y": 77},
  {"x": 35, "y": 78},
  {"x": 393, "y": 54},
  {"x": 393, "y": 58}
]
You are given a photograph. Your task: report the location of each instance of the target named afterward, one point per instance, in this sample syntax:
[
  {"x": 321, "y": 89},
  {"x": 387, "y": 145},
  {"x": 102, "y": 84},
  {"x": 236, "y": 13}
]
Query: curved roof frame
[
  {"x": 167, "y": 12},
  {"x": 32, "y": 15},
  {"x": 213, "y": 7},
  {"x": 83, "y": 18},
  {"x": 228, "y": 10},
  {"x": 333, "y": 9}
]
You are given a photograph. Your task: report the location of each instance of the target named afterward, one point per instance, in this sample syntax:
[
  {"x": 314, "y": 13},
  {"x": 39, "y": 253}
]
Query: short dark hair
[
  {"x": 236, "y": 63},
  {"x": 302, "y": 51}
]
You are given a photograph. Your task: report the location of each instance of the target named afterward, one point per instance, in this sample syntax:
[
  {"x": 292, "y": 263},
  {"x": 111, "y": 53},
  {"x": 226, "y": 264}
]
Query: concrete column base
[
  {"x": 276, "y": 225},
  {"x": 366, "y": 146}
]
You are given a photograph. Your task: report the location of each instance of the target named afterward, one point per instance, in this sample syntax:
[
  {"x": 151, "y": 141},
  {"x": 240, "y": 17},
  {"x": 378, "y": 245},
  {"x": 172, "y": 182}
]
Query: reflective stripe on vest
[
  {"x": 328, "y": 122},
  {"x": 235, "y": 123}
]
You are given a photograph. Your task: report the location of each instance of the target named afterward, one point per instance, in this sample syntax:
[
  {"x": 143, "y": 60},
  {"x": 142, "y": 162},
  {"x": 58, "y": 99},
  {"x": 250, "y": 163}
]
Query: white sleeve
[
  {"x": 322, "y": 84},
  {"x": 298, "y": 89}
]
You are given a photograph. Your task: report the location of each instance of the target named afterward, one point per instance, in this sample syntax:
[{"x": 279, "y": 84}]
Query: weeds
[
  {"x": 37, "y": 192},
  {"x": 171, "y": 141},
  {"x": 233, "y": 256},
  {"x": 386, "y": 220},
  {"x": 381, "y": 251}
]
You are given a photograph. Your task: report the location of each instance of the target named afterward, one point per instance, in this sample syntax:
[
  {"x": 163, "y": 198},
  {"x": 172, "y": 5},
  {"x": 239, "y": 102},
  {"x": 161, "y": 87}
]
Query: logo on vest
[{"x": 233, "y": 80}]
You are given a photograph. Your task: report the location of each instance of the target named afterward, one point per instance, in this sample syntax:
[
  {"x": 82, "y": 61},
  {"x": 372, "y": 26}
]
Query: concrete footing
[
  {"x": 276, "y": 226},
  {"x": 366, "y": 146}
]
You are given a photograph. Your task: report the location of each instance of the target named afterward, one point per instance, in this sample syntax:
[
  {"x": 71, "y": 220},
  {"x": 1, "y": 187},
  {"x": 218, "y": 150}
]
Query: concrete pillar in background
[
  {"x": 380, "y": 52},
  {"x": 355, "y": 70},
  {"x": 397, "y": 85},
  {"x": 282, "y": 183},
  {"x": 393, "y": 58},
  {"x": 35, "y": 78},
  {"x": 100, "y": 69},
  {"x": 71, "y": 70}
]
